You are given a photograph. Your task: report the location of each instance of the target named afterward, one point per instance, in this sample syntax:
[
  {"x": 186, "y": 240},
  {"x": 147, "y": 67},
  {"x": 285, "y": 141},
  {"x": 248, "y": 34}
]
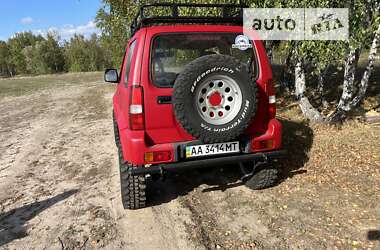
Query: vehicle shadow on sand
[
  {"x": 297, "y": 140},
  {"x": 12, "y": 223}
]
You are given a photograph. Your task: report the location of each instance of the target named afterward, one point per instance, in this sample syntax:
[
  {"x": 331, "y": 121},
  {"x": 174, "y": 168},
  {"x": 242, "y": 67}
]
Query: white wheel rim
[{"x": 230, "y": 94}]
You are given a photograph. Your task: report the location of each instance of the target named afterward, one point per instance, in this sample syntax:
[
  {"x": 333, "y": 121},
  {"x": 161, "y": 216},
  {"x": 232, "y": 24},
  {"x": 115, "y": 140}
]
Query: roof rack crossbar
[{"x": 228, "y": 16}]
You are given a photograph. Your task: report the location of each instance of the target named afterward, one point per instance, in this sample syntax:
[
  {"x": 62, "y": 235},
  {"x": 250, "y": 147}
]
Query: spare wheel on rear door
[{"x": 215, "y": 98}]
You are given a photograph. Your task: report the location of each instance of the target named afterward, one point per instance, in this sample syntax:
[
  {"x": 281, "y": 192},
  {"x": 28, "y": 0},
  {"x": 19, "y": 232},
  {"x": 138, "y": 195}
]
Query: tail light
[
  {"x": 272, "y": 107},
  {"x": 136, "y": 108},
  {"x": 271, "y": 92},
  {"x": 157, "y": 156},
  {"x": 262, "y": 145}
]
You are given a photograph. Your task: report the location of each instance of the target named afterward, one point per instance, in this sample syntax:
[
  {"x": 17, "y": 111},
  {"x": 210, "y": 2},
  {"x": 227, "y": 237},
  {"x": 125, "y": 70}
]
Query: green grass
[{"x": 25, "y": 85}]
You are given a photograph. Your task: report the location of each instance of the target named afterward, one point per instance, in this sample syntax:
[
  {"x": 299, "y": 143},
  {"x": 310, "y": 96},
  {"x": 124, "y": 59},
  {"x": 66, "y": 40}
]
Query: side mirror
[{"x": 111, "y": 75}]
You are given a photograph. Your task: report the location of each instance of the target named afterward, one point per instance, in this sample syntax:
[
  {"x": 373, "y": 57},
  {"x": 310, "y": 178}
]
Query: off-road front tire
[
  {"x": 133, "y": 188},
  {"x": 263, "y": 178}
]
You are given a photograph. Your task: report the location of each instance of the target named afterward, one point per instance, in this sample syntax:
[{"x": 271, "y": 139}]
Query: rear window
[{"x": 172, "y": 52}]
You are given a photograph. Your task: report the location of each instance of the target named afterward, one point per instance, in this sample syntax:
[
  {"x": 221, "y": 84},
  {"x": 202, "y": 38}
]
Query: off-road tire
[
  {"x": 185, "y": 98},
  {"x": 115, "y": 130},
  {"x": 263, "y": 178},
  {"x": 133, "y": 188}
]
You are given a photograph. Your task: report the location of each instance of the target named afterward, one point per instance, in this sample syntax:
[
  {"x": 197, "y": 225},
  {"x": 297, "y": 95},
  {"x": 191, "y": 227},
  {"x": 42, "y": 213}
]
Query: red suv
[{"x": 193, "y": 92}]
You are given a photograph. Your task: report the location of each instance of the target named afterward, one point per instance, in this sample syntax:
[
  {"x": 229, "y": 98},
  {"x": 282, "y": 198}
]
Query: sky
[{"x": 39, "y": 16}]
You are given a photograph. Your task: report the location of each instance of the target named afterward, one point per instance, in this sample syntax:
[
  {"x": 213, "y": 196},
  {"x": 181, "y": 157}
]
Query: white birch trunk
[
  {"x": 348, "y": 87},
  {"x": 368, "y": 71},
  {"x": 351, "y": 102},
  {"x": 307, "y": 109},
  {"x": 349, "y": 80}
]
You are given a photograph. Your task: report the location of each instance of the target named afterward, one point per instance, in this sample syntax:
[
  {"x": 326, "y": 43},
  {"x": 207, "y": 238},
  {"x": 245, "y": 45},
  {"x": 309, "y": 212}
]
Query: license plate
[{"x": 212, "y": 149}]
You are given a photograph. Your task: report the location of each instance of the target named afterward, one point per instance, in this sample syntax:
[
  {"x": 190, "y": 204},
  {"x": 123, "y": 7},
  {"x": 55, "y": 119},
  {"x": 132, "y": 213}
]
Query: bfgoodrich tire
[
  {"x": 133, "y": 188},
  {"x": 215, "y": 98}
]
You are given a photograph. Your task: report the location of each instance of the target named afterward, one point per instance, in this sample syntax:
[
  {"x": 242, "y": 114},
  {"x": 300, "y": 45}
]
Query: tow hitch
[{"x": 249, "y": 171}]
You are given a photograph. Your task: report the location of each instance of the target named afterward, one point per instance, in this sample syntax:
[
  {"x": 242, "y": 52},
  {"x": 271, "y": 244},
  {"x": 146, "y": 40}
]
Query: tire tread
[
  {"x": 133, "y": 188},
  {"x": 179, "y": 95}
]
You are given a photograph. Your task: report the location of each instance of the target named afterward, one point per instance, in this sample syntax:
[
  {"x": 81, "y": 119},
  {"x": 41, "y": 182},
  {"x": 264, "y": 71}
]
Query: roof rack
[{"x": 227, "y": 14}]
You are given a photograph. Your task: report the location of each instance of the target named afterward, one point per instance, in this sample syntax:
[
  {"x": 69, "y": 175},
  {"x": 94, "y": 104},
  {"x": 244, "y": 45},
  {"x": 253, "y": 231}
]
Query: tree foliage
[
  {"x": 85, "y": 54},
  {"x": 16, "y": 45},
  {"x": 27, "y": 53},
  {"x": 364, "y": 27},
  {"x": 115, "y": 16},
  {"x": 44, "y": 57},
  {"x": 6, "y": 69}
]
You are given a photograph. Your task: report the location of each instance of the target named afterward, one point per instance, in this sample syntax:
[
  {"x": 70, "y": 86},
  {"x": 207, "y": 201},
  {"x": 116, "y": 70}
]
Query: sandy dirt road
[{"x": 59, "y": 189}]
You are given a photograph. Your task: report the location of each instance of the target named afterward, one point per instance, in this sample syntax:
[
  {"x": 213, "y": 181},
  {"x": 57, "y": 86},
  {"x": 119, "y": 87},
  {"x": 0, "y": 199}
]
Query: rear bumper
[
  {"x": 186, "y": 165},
  {"x": 134, "y": 145}
]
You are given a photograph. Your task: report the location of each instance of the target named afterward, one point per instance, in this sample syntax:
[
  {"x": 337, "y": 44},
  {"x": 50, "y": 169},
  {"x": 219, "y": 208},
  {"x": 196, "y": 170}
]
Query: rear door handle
[{"x": 164, "y": 99}]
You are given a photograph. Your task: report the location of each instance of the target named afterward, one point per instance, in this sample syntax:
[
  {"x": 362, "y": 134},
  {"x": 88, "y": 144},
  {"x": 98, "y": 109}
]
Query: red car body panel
[{"x": 162, "y": 131}]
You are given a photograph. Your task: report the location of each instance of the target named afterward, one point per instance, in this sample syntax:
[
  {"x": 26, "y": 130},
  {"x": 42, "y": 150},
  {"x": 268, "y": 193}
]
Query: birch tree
[
  {"x": 348, "y": 101},
  {"x": 364, "y": 17}
]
